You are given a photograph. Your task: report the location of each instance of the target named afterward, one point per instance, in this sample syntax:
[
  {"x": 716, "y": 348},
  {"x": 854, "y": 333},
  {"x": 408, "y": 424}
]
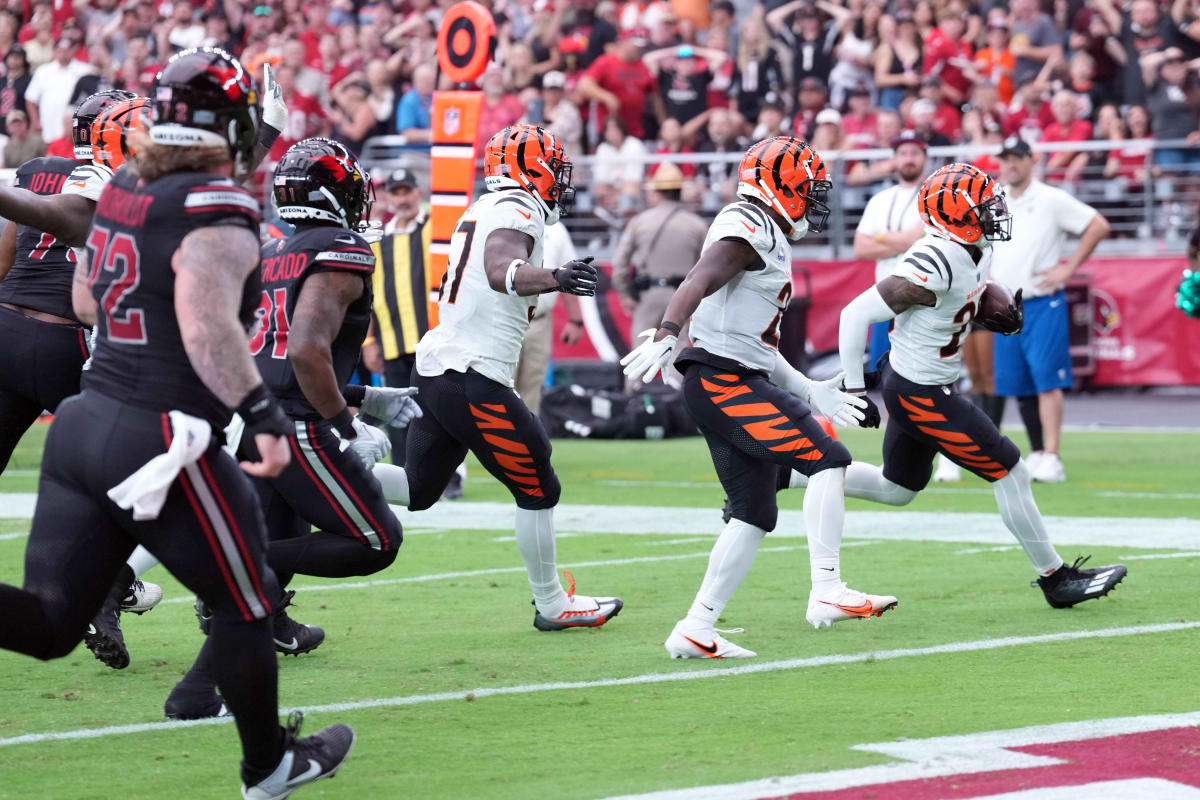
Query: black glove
[
  {"x": 1009, "y": 321},
  {"x": 577, "y": 277},
  {"x": 871, "y": 418},
  {"x": 873, "y": 378},
  {"x": 262, "y": 414}
]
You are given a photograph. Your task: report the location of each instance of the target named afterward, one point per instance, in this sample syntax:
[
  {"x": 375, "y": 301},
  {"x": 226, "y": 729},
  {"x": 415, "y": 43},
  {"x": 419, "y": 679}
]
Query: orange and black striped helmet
[
  {"x": 532, "y": 158},
  {"x": 961, "y": 203},
  {"x": 110, "y": 131},
  {"x": 788, "y": 176}
]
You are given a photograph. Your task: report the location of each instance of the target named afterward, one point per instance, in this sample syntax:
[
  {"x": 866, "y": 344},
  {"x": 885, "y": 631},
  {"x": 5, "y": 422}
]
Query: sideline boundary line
[{"x": 632, "y": 680}]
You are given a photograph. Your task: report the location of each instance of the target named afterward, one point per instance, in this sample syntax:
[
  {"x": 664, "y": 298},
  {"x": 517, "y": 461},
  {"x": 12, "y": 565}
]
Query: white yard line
[
  {"x": 1185, "y": 554},
  {"x": 698, "y": 672},
  {"x": 937, "y": 757}
]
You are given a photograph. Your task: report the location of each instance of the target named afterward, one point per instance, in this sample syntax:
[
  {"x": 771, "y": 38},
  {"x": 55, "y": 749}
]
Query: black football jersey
[
  {"x": 286, "y": 264},
  {"x": 139, "y": 356},
  {"x": 40, "y": 277}
]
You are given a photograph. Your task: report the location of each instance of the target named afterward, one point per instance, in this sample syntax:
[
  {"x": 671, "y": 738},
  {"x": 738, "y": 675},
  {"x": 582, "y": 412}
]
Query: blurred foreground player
[
  {"x": 136, "y": 458},
  {"x": 465, "y": 366},
  {"x": 934, "y": 294},
  {"x": 754, "y": 409}
]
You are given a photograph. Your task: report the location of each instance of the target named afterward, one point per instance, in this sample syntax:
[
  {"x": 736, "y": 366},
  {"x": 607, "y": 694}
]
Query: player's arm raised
[
  {"x": 316, "y": 321},
  {"x": 210, "y": 266},
  {"x": 891, "y": 296},
  {"x": 505, "y": 254},
  {"x": 719, "y": 264},
  {"x": 66, "y": 217}
]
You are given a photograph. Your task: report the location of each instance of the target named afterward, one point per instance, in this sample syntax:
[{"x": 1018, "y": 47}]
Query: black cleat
[
  {"x": 304, "y": 761},
  {"x": 185, "y": 702},
  {"x": 104, "y": 637},
  {"x": 292, "y": 638},
  {"x": 454, "y": 489},
  {"x": 1069, "y": 584}
]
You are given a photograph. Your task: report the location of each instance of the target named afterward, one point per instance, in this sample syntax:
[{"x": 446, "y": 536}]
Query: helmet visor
[
  {"x": 816, "y": 208},
  {"x": 562, "y": 192},
  {"x": 994, "y": 219}
]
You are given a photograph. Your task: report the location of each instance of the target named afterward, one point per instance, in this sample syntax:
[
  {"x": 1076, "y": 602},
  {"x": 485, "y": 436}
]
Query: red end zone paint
[{"x": 1172, "y": 755}]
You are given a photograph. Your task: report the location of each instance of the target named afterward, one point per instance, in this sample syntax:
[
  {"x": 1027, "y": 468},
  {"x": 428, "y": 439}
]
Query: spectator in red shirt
[
  {"x": 921, "y": 116},
  {"x": 621, "y": 84},
  {"x": 812, "y": 97},
  {"x": 316, "y": 18},
  {"x": 1127, "y": 163},
  {"x": 1066, "y": 127},
  {"x": 947, "y": 120},
  {"x": 860, "y": 121},
  {"x": 946, "y": 53},
  {"x": 499, "y": 110},
  {"x": 1029, "y": 113},
  {"x": 671, "y": 140}
]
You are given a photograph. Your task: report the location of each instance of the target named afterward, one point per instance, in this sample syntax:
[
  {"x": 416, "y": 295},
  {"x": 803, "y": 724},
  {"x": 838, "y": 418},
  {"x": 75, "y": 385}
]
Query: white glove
[
  {"x": 828, "y": 400},
  {"x": 373, "y": 232},
  {"x": 393, "y": 407},
  {"x": 650, "y": 357},
  {"x": 274, "y": 110},
  {"x": 372, "y": 444}
]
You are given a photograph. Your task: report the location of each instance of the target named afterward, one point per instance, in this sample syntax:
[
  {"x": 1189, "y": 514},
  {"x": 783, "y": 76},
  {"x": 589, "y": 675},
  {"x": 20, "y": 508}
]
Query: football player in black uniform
[
  {"x": 315, "y": 309},
  {"x": 137, "y": 457}
]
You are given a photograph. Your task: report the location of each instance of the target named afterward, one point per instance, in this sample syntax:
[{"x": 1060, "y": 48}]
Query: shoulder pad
[
  {"x": 217, "y": 196},
  {"x": 87, "y": 180},
  {"x": 515, "y": 209},
  {"x": 747, "y": 222},
  {"x": 926, "y": 265},
  {"x": 343, "y": 249}
]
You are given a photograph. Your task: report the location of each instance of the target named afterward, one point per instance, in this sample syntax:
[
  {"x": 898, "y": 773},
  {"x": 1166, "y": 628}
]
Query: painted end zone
[{"x": 1171, "y": 756}]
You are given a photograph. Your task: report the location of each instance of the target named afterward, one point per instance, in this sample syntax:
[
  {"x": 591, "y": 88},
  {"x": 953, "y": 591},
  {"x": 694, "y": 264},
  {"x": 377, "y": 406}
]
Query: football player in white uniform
[
  {"x": 465, "y": 366},
  {"x": 933, "y": 295},
  {"x": 751, "y": 405}
]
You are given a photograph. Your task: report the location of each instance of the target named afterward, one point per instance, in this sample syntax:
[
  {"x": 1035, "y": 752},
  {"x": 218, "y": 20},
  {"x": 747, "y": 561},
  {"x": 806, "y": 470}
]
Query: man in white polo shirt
[
  {"x": 1035, "y": 365},
  {"x": 890, "y": 224}
]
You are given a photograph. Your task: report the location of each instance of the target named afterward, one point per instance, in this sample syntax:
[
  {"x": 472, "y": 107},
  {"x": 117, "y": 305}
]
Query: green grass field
[{"x": 409, "y": 640}]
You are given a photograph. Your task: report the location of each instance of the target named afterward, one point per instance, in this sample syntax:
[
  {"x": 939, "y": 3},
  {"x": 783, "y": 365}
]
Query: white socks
[
  {"x": 1021, "y": 516},
  {"x": 535, "y": 540},
  {"x": 394, "y": 481},
  {"x": 728, "y": 564},
  {"x": 140, "y": 560},
  {"x": 865, "y": 482},
  {"x": 824, "y": 518}
]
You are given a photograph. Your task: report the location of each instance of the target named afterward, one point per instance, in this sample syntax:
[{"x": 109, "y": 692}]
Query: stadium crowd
[{"x": 623, "y": 80}]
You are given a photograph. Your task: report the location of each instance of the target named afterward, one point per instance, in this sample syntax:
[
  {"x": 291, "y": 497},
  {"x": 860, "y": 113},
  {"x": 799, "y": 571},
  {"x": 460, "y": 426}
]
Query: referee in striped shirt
[{"x": 402, "y": 285}]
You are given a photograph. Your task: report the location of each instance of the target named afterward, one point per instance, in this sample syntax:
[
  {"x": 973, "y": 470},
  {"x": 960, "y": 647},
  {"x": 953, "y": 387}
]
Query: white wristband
[{"x": 510, "y": 278}]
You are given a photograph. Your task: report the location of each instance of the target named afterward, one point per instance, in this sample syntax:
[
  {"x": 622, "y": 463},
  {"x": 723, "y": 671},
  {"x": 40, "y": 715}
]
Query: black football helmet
[
  {"x": 86, "y": 113},
  {"x": 204, "y": 97},
  {"x": 320, "y": 179}
]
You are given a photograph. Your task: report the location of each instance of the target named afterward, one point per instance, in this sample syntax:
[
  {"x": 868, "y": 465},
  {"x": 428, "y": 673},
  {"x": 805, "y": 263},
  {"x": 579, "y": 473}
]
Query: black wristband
[
  {"x": 267, "y": 135},
  {"x": 262, "y": 414},
  {"x": 670, "y": 327},
  {"x": 355, "y": 395},
  {"x": 343, "y": 423}
]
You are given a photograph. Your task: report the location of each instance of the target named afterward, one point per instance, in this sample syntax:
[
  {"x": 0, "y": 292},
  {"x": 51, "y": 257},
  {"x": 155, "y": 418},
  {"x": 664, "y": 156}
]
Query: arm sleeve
[
  {"x": 857, "y": 317},
  {"x": 1071, "y": 214}
]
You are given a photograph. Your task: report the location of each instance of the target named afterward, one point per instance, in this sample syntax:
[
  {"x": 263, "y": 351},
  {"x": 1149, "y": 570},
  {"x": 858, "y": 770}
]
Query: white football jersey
[
  {"x": 87, "y": 180},
  {"x": 927, "y": 340},
  {"x": 741, "y": 320},
  {"x": 478, "y": 327}
]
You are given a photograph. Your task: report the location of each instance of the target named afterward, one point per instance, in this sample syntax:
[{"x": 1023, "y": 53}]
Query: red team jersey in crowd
[{"x": 631, "y": 83}]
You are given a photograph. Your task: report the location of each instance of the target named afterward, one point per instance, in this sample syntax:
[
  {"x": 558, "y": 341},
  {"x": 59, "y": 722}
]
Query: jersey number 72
[{"x": 117, "y": 254}]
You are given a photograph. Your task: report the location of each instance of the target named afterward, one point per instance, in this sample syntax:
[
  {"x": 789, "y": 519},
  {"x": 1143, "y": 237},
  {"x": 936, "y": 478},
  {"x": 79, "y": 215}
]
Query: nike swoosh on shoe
[
  {"x": 314, "y": 769},
  {"x": 711, "y": 649},
  {"x": 292, "y": 645}
]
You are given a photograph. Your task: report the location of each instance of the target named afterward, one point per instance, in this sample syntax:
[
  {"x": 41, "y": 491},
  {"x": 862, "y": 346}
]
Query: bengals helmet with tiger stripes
[
  {"x": 85, "y": 114},
  {"x": 532, "y": 158},
  {"x": 961, "y": 203},
  {"x": 788, "y": 176},
  {"x": 110, "y": 131}
]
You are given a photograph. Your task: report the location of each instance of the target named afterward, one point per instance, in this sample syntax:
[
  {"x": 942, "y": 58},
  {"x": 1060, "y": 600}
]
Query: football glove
[
  {"x": 1009, "y": 321},
  {"x": 577, "y": 277},
  {"x": 870, "y": 412},
  {"x": 650, "y": 357},
  {"x": 274, "y": 110},
  {"x": 371, "y": 446},
  {"x": 373, "y": 232},
  {"x": 393, "y": 407},
  {"x": 828, "y": 400}
]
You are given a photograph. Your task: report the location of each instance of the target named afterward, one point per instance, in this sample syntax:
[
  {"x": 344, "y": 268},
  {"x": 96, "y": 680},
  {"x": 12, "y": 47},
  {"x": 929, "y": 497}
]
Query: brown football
[{"x": 994, "y": 300}]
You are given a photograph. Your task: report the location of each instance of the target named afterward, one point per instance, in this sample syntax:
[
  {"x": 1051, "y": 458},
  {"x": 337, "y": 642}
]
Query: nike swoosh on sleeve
[
  {"x": 752, "y": 230},
  {"x": 524, "y": 214}
]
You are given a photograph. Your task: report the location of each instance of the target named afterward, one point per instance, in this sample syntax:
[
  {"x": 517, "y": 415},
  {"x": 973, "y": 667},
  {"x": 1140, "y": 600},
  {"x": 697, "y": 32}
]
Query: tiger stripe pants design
[
  {"x": 925, "y": 420},
  {"x": 753, "y": 428},
  {"x": 467, "y": 411}
]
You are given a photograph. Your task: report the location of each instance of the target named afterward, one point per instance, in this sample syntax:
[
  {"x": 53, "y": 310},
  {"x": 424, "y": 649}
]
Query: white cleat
[
  {"x": 581, "y": 611},
  {"x": 142, "y": 597},
  {"x": 687, "y": 642},
  {"x": 1049, "y": 469},
  {"x": 947, "y": 471},
  {"x": 846, "y": 603}
]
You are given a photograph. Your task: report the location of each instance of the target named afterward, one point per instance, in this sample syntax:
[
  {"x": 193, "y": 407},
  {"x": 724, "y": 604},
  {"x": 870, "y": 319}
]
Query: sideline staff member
[{"x": 1037, "y": 361}]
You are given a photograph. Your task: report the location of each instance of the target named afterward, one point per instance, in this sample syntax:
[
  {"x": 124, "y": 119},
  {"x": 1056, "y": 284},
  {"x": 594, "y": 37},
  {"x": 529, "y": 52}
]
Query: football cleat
[
  {"x": 204, "y": 615},
  {"x": 304, "y": 761},
  {"x": 454, "y": 488},
  {"x": 1069, "y": 584},
  {"x": 689, "y": 642},
  {"x": 846, "y": 603},
  {"x": 582, "y": 611},
  {"x": 104, "y": 637},
  {"x": 947, "y": 471},
  {"x": 292, "y": 638},
  {"x": 1049, "y": 469},
  {"x": 142, "y": 597},
  {"x": 185, "y": 702}
]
